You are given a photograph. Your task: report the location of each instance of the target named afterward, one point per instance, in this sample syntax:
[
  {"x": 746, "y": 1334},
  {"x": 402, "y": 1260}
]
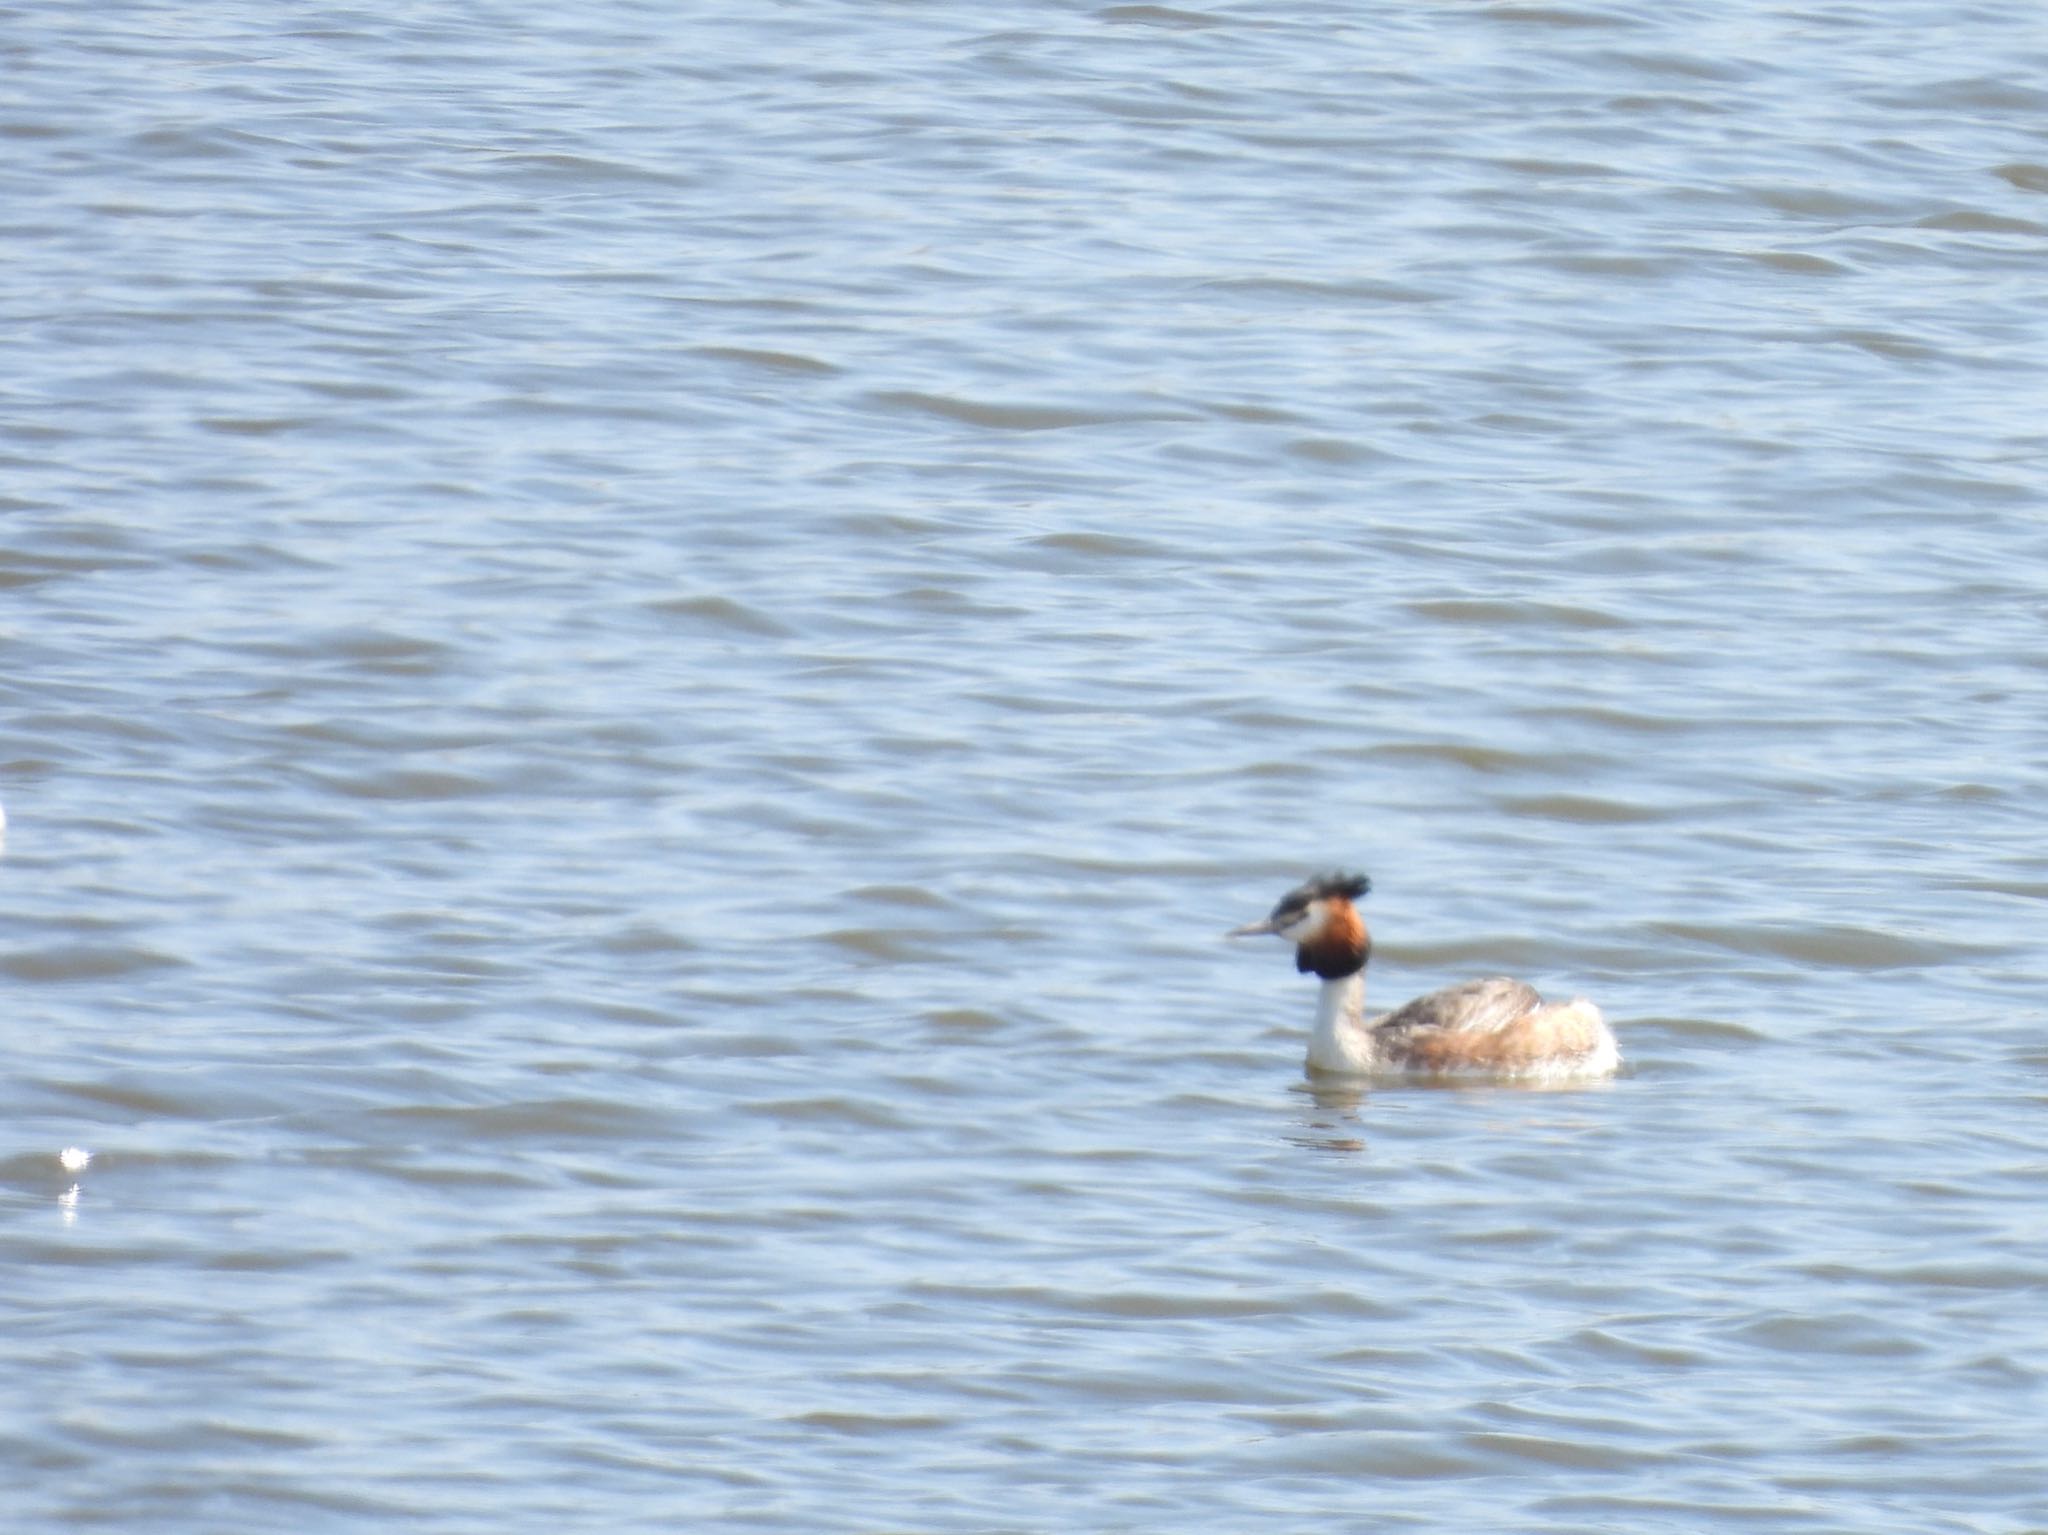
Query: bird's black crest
[
  {"x": 1321, "y": 888},
  {"x": 1350, "y": 886}
]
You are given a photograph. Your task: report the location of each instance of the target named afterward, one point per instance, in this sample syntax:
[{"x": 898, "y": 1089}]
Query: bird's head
[{"x": 1321, "y": 920}]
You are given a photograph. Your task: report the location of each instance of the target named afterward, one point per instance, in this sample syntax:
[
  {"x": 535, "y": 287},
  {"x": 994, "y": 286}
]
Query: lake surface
[{"x": 643, "y": 651}]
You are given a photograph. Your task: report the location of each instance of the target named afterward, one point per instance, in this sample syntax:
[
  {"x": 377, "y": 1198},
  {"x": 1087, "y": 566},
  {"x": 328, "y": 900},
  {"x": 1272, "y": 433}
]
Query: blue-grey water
[{"x": 642, "y": 649}]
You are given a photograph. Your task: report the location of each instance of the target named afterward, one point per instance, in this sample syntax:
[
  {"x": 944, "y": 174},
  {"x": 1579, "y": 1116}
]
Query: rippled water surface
[{"x": 644, "y": 650}]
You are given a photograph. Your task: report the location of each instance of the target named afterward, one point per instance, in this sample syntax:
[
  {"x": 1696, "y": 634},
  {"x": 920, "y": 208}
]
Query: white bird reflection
[{"x": 1332, "y": 1124}]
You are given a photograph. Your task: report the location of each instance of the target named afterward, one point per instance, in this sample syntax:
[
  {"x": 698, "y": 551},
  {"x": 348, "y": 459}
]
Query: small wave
[
  {"x": 834, "y": 1110},
  {"x": 1017, "y": 418},
  {"x": 409, "y": 784},
  {"x": 1494, "y": 613},
  {"x": 1826, "y": 947},
  {"x": 774, "y": 362},
  {"x": 1585, "y": 809},
  {"x": 84, "y": 962},
  {"x": 1158, "y": 16},
  {"x": 716, "y": 612}
]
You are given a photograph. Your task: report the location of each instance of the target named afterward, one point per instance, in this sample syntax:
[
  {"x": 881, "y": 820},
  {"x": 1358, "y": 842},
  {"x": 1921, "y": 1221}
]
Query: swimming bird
[{"x": 1490, "y": 1028}]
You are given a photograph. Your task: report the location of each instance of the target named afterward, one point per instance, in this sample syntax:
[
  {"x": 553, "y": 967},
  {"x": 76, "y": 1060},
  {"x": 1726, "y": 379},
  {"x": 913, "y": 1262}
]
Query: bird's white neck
[{"x": 1341, "y": 1041}]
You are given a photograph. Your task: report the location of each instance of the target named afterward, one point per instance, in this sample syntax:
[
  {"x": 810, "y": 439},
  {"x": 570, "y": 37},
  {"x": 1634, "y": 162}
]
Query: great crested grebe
[{"x": 1490, "y": 1028}]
